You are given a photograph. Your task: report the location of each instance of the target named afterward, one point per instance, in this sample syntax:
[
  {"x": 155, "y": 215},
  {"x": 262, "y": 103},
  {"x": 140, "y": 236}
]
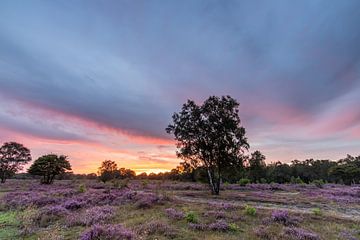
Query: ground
[{"x": 139, "y": 209}]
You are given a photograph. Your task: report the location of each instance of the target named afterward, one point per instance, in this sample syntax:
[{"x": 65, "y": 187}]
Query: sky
[{"x": 98, "y": 80}]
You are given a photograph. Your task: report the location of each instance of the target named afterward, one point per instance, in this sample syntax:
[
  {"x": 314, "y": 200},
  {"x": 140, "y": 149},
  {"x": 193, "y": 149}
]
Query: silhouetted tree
[
  {"x": 257, "y": 166},
  {"x": 123, "y": 173},
  {"x": 210, "y": 135},
  {"x": 13, "y": 156},
  {"x": 48, "y": 166},
  {"x": 107, "y": 171}
]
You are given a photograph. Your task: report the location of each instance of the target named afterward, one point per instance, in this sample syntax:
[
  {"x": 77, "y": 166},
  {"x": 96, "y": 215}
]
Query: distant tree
[
  {"x": 107, "y": 171},
  {"x": 48, "y": 166},
  {"x": 142, "y": 176},
  {"x": 13, "y": 156},
  {"x": 257, "y": 166},
  {"x": 123, "y": 173},
  {"x": 278, "y": 172},
  {"x": 347, "y": 170},
  {"x": 210, "y": 135}
]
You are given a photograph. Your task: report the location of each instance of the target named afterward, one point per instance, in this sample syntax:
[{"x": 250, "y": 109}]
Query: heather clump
[
  {"x": 219, "y": 225},
  {"x": 107, "y": 232},
  {"x": 280, "y": 216},
  {"x": 216, "y": 214},
  {"x": 147, "y": 200},
  {"x": 301, "y": 234},
  {"x": 174, "y": 214},
  {"x": 73, "y": 204},
  {"x": 97, "y": 214},
  {"x": 197, "y": 226}
]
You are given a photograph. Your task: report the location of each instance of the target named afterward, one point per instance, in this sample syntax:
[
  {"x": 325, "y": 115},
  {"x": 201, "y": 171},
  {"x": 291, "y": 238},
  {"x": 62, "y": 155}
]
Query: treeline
[{"x": 254, "y": 168}]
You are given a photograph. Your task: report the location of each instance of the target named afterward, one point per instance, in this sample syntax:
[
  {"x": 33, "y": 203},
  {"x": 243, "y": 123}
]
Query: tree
[
  {"x": 210, "y": 135},
  {"x": 48, "y": 166},
  {"x": 257, "y": 166},
  {"x": 107, "y": 171},
  {"x": 123, "y": 173},
  {"x": 13, "y": 156}
]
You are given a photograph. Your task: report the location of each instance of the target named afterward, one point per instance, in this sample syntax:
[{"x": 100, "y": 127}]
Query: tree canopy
[
  {"x": 13, "y": 156},
  {"x": 210, "y": 135},
  {"x": 48, "y": 166}
]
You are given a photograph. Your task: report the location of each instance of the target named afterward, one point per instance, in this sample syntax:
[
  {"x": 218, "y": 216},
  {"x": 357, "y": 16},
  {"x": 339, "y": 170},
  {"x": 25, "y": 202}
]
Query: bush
[
  {"x": 318, "y": 183},
  {"x": 317, "y": 211},
  {"x": 251, "y": 211},
  {"x": 82, "y": 188},
  {"x": 191, "y": 217},
  {"x": 296, "y": 180},
  {"x": 233, "y": 227},
  {"x": 243, "y": 182}
]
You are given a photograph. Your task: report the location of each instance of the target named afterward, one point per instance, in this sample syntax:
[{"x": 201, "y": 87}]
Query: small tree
[
  {"x": 257, "y": 166},
  {"x": 107, "y": 171},
  {"x": 48, "y": 166},
  {"x": 13, "y": 156},
  {"x": 210, "y": 135}
]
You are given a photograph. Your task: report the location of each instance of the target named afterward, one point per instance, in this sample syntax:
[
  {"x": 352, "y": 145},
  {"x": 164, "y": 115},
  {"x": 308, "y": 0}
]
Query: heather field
[{"x": 176, "y": 210}]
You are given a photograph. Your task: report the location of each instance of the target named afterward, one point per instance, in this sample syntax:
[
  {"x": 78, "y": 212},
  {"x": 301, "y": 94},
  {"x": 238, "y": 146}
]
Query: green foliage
[
  {"x": 48, "y": 166},
  {"x": 145, "y": 183},
  {"x": 249, "y": 210},
  {"x": 318, "y": 183},
  {"x": 82, "y": 188},
  {"x": 317, "y": 211},
  {"x": 191, "y": 217},
  {"x": 243, "y": 182},
  {"x": 257, "y": 166},
  {"x": 210, "y": 135},
  {"x": 296, "y": 180},
  {"x": 233, "y": 227},
  {"x": 13, "y": 156}
]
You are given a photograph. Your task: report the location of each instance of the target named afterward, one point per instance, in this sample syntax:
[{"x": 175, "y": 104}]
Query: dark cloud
[{"x": 130, "y": 65}]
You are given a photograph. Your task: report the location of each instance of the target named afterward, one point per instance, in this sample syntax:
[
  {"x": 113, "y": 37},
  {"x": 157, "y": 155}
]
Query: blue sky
[{"x": 101, "y": 79}]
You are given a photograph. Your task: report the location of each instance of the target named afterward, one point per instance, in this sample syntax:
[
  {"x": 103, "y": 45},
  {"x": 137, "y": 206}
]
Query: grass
[{"x": 249, "y": 216}]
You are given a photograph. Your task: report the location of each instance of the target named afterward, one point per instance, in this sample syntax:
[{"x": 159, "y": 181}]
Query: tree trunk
[{"x": 214, "y": 182}]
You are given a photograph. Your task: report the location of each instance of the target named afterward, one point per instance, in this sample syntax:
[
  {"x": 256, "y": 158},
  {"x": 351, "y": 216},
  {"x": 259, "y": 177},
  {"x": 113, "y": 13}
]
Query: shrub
[
  {"x": 317, "y": 211},
  {"x": 243, "y": 182},
  {"x": 318, "y": 183},
  {"x": 174, "y": 214},
  {"x": 191, "y": 217},
  {"x": 107, "y": 232},
  {"x": 301, "y": 234},
  {"x": 233, "y": 227},
  {"x": 82, "y": 188},
  {"x": 249, "y": 210},
  {"x": 296, "y": 180}
]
